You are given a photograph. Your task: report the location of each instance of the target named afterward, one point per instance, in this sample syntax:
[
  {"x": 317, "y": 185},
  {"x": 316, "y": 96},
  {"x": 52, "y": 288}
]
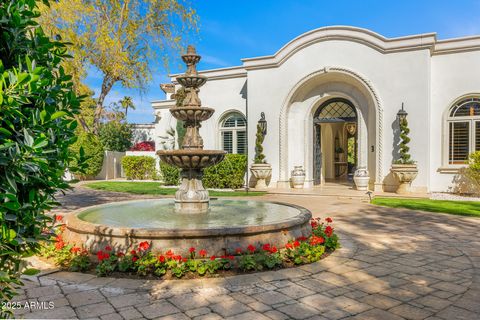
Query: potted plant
[
  {"x": 260, "y": 169},
  {"x": 404, "y": 169},
  {"x": 361, "y": 179}
]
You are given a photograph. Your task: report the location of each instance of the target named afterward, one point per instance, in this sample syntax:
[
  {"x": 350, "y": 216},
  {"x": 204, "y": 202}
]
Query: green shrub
[
  {"x": 94, "y": 152},
  {"x": 37, "y": 123},
  {"x": 139, "y": 167},
  {"x": 116, "y": 135},
  {"x": 229, "y": 173},
  {"x": 170, "y": 174},
  {"x": 473, "y": 170}
]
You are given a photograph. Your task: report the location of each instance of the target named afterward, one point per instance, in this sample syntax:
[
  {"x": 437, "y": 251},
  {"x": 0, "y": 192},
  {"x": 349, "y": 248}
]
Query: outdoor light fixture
[
  {"x": 263, "y": 123},
  {"x": 402, "y": 114},
  {"x": 351, "y": 128}
]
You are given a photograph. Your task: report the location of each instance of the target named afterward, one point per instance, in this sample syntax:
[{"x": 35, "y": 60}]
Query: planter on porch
[
  {"x": 298, "y": 177},
  {"x": 405, "y": 174},
  {"x": 361, "y": 179},
  {"x": 262, "y": 172}
]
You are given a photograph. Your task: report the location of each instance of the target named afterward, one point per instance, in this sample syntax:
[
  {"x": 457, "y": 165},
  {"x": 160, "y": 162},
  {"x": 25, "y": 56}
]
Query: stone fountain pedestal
[{"x": 191, "y": 197}]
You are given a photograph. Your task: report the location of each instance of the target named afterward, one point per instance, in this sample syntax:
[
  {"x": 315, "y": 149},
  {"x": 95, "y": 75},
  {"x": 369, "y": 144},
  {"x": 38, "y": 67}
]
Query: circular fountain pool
[{"x": 228, "y": 225}]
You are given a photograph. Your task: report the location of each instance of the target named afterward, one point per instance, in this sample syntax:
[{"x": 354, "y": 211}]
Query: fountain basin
[
  {"x": 192, "y": 113},
  {"x": 229, "y": 224},
  {"x": 191, "y": 158},
  {"x": 191, "y": 81}
]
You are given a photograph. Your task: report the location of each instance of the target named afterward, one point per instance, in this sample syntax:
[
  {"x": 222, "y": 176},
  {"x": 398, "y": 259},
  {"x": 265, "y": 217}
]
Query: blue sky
[{"x": 232, "y": 30}]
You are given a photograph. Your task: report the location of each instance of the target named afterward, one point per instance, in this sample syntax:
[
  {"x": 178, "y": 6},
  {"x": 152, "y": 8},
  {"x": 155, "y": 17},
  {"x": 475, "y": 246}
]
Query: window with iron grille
[
  {"x": 233, "y": 133},
  {"x": 463, "y": 130}
]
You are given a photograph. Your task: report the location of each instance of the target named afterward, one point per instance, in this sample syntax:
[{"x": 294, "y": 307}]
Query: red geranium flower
[
  {"x": 314, "y": 240},
  {"x": 59, "y": 245},
  {"x": 177, "y": 257},
  {"x": 302, "y": 238},
  {"x": 58, "y": 238},
  {"x": 143, "y": 246},
  {"x": 134, "y": 258},
  {"x": 329, "y": 220},
  {"x": 191, "y": 250},
  {"x": 213, "y": 258},
  {"x": 238, "y": 250},
  {"x": 266, "y": 247},
  {"x": 58, "y": 218},
  {"x": 120, "y": 254},
  {"x": 75, "y": 250},
  {"x": 184, "y": 260},
  {"x": 296, "y": 243},
  {"x": 273, "y": 250},
  {"x": 102, "y": 255},
  {"x": 289, "y": 246},
  {"x": 231, "y": 257},
  {"x": 203, "y": 253},
  {"x": 108, "y": 248},
  {"x": 161, "y": 259},
  {"x": 133, "y": 252},
  {"x": 169, "y": 254},
  {"x": 314, "y": 224},
  {"x": 251, "y": 248},
  {"x": 328, "y": 231}
]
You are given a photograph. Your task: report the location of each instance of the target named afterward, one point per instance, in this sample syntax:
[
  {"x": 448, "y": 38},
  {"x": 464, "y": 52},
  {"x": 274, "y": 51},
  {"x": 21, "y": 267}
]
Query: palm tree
[{"x": 127, "y": 103}]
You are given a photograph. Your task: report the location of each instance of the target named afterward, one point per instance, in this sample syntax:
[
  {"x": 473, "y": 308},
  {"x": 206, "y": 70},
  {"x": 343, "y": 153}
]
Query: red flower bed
[{"x": 144, "y": 146}]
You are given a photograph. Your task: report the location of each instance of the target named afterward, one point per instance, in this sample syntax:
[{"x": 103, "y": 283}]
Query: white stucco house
[{"x": 331, "y": 98}]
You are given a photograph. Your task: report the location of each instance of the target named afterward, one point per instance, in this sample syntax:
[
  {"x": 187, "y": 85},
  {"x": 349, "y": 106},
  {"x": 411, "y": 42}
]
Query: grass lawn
[
  {"x": 156, "y": 188},
  {"x": 462, "y": 208}
]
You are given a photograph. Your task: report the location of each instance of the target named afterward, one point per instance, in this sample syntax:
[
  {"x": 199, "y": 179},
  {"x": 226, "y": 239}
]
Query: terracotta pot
[
  {"x": 298, "y": 177},
  {"x": 405, "y": 174},
  {"x": 262, "y": 172}
]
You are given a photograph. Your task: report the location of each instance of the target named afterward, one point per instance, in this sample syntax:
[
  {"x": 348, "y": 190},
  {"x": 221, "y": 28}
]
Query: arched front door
[{"x": 335, "y": 141}]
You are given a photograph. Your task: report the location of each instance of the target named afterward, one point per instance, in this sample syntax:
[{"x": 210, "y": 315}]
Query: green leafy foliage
[
  {"x": 229, "y": 173},
  {"x": 170, "y": 174},
  {"x": 259, "y": 156},
  {"x": 90, "y": 146},
  {"x": 405, "y": 157},
  {"x": 37, "y": 121},
  {"x": 139, "y": 167},
  {"x": 473, "y": 170},
  {"x": 116, "y": 136}
]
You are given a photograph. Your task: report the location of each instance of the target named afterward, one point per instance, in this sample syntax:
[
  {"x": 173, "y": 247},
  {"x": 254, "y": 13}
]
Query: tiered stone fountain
[
  {"x": 191, "y": 197},
  {"x": 188, "y": 220}
]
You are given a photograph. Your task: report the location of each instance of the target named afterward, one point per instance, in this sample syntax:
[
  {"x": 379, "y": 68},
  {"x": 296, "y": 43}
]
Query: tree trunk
[{"x": 107, "y": 85}]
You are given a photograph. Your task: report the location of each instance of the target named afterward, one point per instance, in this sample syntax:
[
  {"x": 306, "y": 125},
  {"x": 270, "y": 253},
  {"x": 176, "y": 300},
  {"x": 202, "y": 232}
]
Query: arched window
[
  {"x": 233, "y": 133},
  {"x": 463, "y": 130}
]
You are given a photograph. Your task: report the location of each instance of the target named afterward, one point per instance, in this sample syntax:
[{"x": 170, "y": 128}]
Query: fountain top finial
[{"x": 191, "y": 58}]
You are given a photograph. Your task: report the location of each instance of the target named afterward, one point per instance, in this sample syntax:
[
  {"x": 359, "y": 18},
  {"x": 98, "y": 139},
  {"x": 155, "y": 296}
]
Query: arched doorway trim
[{"x": 283, "y": 123}]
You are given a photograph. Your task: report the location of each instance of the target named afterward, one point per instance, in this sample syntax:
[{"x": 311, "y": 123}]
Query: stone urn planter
[
  {"x": 361, "y": 179},
  {"x": 405, "y": 174},
  {"x": 297, "y": 177},
  {"x": 262, "y": 172}
]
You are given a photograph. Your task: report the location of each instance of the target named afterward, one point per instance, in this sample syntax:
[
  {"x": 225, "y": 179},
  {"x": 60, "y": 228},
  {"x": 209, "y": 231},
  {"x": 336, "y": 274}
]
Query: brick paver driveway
[{"x": 394, "y": 264}]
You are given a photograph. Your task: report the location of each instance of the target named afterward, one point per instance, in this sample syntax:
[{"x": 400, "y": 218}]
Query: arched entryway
[
  {"x": 335, "y": 147},
  {"x": 297, "y": 123}
]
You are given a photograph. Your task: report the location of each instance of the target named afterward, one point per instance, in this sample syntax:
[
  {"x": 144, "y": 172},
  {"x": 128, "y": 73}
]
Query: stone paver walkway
[{"x": 394, "y": 264}]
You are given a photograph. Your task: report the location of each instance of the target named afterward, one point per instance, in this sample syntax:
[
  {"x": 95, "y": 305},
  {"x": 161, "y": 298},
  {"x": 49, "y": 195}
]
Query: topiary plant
[
  {"x": 405, "y": 157},
  {"x": 259, "y": 156}
]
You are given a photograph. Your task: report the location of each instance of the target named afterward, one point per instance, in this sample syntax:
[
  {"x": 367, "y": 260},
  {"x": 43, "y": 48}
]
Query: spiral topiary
[
  {"x": 405, "y": 157},
  {"x": 259, "y": 156}
]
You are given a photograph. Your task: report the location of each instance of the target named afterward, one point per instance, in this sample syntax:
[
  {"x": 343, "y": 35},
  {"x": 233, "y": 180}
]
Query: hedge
[
  {"x": 139, "y": 167},
  {"x": 94, "y": 152},
  {"x": 227, "y": 174},
  {"x": 170, "y": 174}
]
